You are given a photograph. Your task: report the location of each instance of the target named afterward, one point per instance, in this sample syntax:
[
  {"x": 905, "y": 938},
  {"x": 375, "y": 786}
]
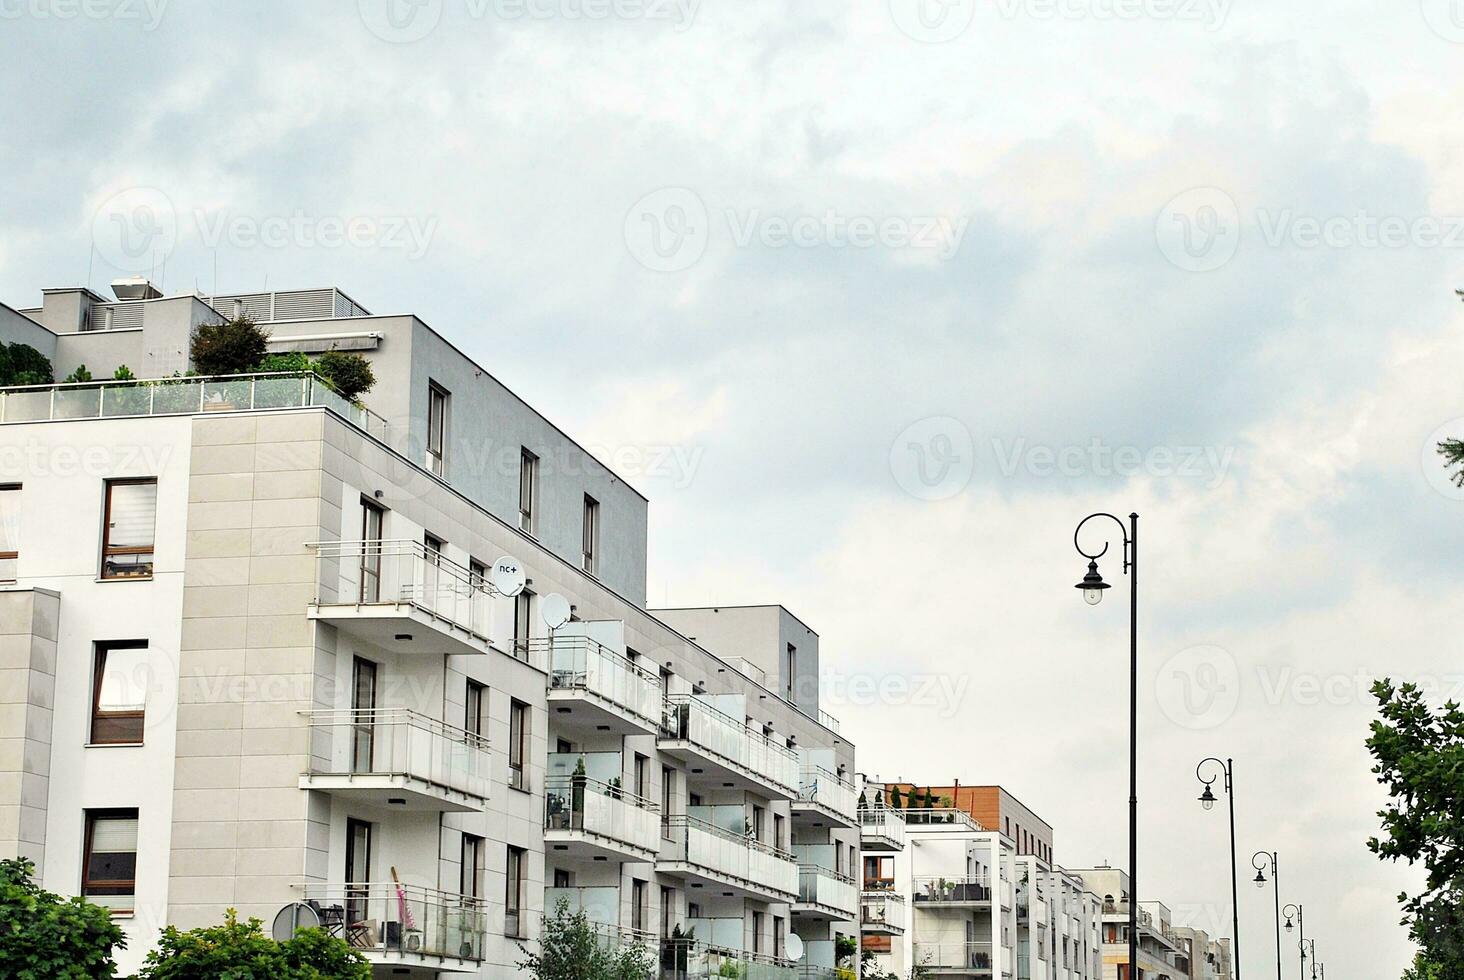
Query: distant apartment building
[
  {"x": 388, "y": 667},
  {"x": 1166, "y": 951}
]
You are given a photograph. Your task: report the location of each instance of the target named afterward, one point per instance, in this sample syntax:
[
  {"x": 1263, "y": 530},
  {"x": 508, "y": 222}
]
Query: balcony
[
  {"x": 881, "y": 829},
  {"x": 600, "y": 905},
  {"x": 719, "y": 955},
  {"x": 966, "y": 958},
  {"x": 403, "y": 926},
  {"x": 594, "y": 689},
  {"x": 825, "y": 894},
  {"x": 825, "y": 798},
  {"x": 704, "y": 853},
  {"x": 952, "y": 892},
  {"x": 394, "y": 756},
  {"x": 883, "y": 912},
  {"x": 722, "y": 749},
  {"x": 400, "y": 596},
  {"x": 588, "y": 819}
]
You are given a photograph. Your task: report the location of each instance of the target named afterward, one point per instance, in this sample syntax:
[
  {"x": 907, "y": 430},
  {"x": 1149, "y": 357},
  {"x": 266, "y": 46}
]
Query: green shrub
[
  {"x": 79, "y": 375},
  {"x": 22, "y": 364},
  {"x": 349, "y": 373},
  {"x": 123, "y": 373},
  {"x": 46, "y": 937},
  {"x": 231, "y": 347},
  {"x": 292, "y": 362},
  {"x": 241, "y": 951}
]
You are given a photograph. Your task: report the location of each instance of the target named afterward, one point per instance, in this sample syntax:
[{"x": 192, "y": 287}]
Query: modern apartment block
[
  {"x": 1059, "y": 921},
  {"x": 1208, "y": 959},
  {"x": 391, "y": 662},
  {"x": 1165, "y": 952}
]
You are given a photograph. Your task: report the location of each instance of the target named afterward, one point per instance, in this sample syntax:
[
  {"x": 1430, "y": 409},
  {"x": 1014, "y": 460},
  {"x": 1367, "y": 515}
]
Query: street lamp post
[
  {"x": 1298, "y": 912},
  {"x": 1093, "y": 587},
  {"x": 1260, "y": 861},
  {"x": 1207, "y": 800}
]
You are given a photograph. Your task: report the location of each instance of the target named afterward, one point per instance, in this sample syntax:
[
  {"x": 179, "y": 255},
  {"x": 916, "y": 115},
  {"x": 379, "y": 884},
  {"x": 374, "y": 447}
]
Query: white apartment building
[
  {"x": 956, "y": 881},
  {"x": 265, "y": 648},
  {"x": 1162, "y": 955},
  {"x": 1058, "y": 923},
  {"x": 1208, "y": 959}
]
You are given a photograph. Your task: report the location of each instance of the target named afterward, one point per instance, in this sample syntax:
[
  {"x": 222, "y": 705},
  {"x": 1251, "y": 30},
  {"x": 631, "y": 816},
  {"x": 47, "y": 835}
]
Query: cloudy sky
[{"x": 876, "y": 300}]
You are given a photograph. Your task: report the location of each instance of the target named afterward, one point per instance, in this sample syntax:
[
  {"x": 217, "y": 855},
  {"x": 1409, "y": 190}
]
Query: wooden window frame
[
  {"x": 518, "y": 745},
  {"x": 91, "y": 817},
  {"x": 11, "y": 555},
  {"x": 470, "y": 874},
  {"x": 108, "y": 550},
  {"x": 99, "y": 663}
]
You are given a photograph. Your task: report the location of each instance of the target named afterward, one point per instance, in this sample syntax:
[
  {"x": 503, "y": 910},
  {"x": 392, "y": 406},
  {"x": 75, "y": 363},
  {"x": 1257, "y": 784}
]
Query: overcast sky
[{"x": 875, "y": 301}]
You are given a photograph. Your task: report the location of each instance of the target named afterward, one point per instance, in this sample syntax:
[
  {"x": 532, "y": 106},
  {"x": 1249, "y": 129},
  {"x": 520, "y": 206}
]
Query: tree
[
  {"x": 79, "y": 375},
  {"x": 1422, "y": 969},
  {"x": 1453, "y": 452},
  {"x": 232, "y": 347},
  {"x": 22, "y": 364},
  {"x": 46, "y": 937},
  {"x": 241, "y": 951},
  {"x": 348, "y": 373},
  {"x": 1419, "y": 756},
  {"x": 895, "y": 797},
  {"x": 571, "y": 949}
]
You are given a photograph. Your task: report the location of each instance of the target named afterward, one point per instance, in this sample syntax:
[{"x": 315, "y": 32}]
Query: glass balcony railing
[
  {"x": 881, "y": 828},
  {"x": 603, "y": 809},
  {"x": 882, "y": 911},
  {"x": 691, "y": 959},
  {"x": 400, "y": 921},
  {"x": 368, "y": 573},
  {"x": 975, "y": 957},
  {"x": 601, "y": 905},
  {"x": 723, "y": 854},
  {"x": 579, "y": 664},
  {"x": 819, "y": 786},
  {"x": 729, "y": 740},
  {"x": 395, "y": 742},
  {"x": 937, "y": 891},
  {"x": 829, "y": 889}
]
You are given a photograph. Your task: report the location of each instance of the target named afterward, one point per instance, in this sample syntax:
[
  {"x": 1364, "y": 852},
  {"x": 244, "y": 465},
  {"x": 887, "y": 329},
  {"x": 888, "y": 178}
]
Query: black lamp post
[
  {"x": 1207, "y": 800},
  {"x": 1298, "y": 913},
  {"x": 1260, "y": 861},
  {"x": 1093, "y": 587}
]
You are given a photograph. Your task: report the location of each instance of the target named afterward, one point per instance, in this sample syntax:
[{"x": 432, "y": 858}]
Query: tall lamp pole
[
  {"x": 1260, "y": 861},
  {"x": 1207, "y": 800},
  {"x": 1093, "y": 587},
  {"x": 1297, "y": 912}
]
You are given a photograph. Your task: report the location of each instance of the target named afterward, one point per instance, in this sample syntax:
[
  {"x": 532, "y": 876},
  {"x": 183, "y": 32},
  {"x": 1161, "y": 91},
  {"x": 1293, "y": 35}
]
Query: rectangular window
[
  {"x": 668, "y": 911},
  {"x": 638, "y": 905},
  {"x": 780, "y": 937},
  {"x": 358, "y": 869},
  {"x": 523, "y": 610},
  {"x": 642, "y": 777},
  {"x": 757, "y": 928},
  {"x": 363, "y": 714},
  {"x": 792, "y": 671},
  {"x": 528, "y": 489},
  {"x": 518, "y": 734},
  {"x": 668, "y": 790},
  {"x": 129, "y": 521},
  {"x": 436, "y": 428},
  {"x": 119, "y": 693},
  {"x": 591, "y": 535},
  {"x": 477, "y": 575},
  {"x": 475, "y": 708},
  {"x": 779, "y": 832},
  {"x": 513, "y": 896},
  {"x": 9, "y": 531},
  {"x": 470, "y": 875},
  {"x": 371, "y": 521},
  {"x": 109, "y": 864}
]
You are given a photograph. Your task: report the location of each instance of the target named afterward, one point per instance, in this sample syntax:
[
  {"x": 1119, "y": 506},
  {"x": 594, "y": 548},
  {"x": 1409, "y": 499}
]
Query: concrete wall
[
  {"x": 18, "y": 329},
  {"x": 760, "y": 635},
  {"x": 28, "y": 629}
]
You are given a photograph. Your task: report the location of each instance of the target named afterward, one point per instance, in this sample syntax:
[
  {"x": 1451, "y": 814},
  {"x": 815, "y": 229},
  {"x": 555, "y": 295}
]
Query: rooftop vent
[{"x": 135, "y": 287}]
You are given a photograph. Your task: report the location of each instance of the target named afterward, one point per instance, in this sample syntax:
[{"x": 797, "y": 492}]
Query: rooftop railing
[{"x": 927, "y": 816}]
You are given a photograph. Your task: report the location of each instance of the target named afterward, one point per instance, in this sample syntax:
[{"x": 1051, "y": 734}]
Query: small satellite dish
[
  {"x": 292, "y": 917},
  {"x": 794, "y": 946},
  {"x": 555, "y": 610},
  {"x": 508, "y": 576}
]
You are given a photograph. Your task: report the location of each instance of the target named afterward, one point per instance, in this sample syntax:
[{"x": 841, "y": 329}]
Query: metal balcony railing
[
  {"x": 720, "y": 852},
  {"x": 402, "y": 572},
  {"x": 882, "y": 910},
  {"x": 605, "y": 810},
  {"x": 183, "y": 396},
  {"x": 955, "y": 956},
  {"x": 818, "y": 885},
  {"x": 688, "y": 718},
  {"x": 820, "y": 786},
  {"x": 951, "y": 890},
  {"x": 691, "y": 959},
  {"x": 882, "y": 825},
  {"x": 400, "y": 920},
  {"x": 399, "y": 742},
  {"x": 578, "y": 663}
]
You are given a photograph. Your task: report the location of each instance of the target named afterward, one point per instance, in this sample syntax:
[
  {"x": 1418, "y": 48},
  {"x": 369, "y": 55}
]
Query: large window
[
  {"x": 436, "y": 428},
  {"x": 591, "y": 535},
  {"x": 119, "y": 693},
  {"x": 528, "y": 489},
  {"x": 475, "y": 710},
  {"x": 518, "y": 734},
  {"x": 372, "y": 517},
  {"x": 470, "y": 878},
  {"x": 9, "y": 531},
  {"x": 109, "y": 865},
  {"x": 513, "y": 896},
  {"x": 523, "y": 623},
  {"x": 129, "y": 519}
]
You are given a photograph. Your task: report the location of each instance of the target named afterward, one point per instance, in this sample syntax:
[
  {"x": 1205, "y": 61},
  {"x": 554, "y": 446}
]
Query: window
[
  {"x": 513, "y": 897},
  {"x": 779, "y": 833},
  {"x": 562, "y": 879},
  {"x": 477, "y": 575},
  {"x": 591, "y": 535},
  {"x": 757, "y": 928},
  {"x": 642, "y": 777},
  {"x": 363, "y": 714},
  {"x": 780, "y": 937},
  {"x": 358, "y": 869},
  {"x": 518, "y": 733},
  {"x": 792, "y": 670},
  {"x": 470, "y": 874},
  {"x": 371, "y": 521},
  {"x": 127, "y": 533},
  {"x": 119, "y": 693},
  {"x": 638, "y": 905},
  {"x": 668, "y": 789},
  {"x": 436, "y": 428},
  {"x": 432, "y": 578},
  {"x": 523, "y": 608},
  {"x": 668, "y": 911},
  {"x": 475, "y": 708},
  {"x": 109, "y": 865},
  {"x": 528, "y": 489},
  {"x": 757, "y": 822},
  {"x": 9, "y": 531}
]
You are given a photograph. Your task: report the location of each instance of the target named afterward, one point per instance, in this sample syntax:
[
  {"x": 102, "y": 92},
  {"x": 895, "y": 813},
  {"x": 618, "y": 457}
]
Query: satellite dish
[
  {"x": 508, "y": 576},
  {"x": 555, "y": 610},
  {"x": 292, "y": 917},
  {"x": 794, "y": 946}
]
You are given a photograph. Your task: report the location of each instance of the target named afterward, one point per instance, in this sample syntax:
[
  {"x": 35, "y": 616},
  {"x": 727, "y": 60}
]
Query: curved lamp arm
[
  {"x": 1123, "y": 533},
  {"x": 1224, "y": 771}
]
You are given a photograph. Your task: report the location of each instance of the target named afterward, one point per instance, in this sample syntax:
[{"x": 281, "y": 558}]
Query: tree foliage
[
  {"x": 571, "y": 949},
  {"x": 22, "y": 364},
  {"x": 241, "y": 951},
  {"x": 231, "y": 347},
  {"x": 1453, "y": 452},
  {"x": 349, "y": 373},
  {"x": 1419, "y": 756},
  {"x": 46, "y": 937}
]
